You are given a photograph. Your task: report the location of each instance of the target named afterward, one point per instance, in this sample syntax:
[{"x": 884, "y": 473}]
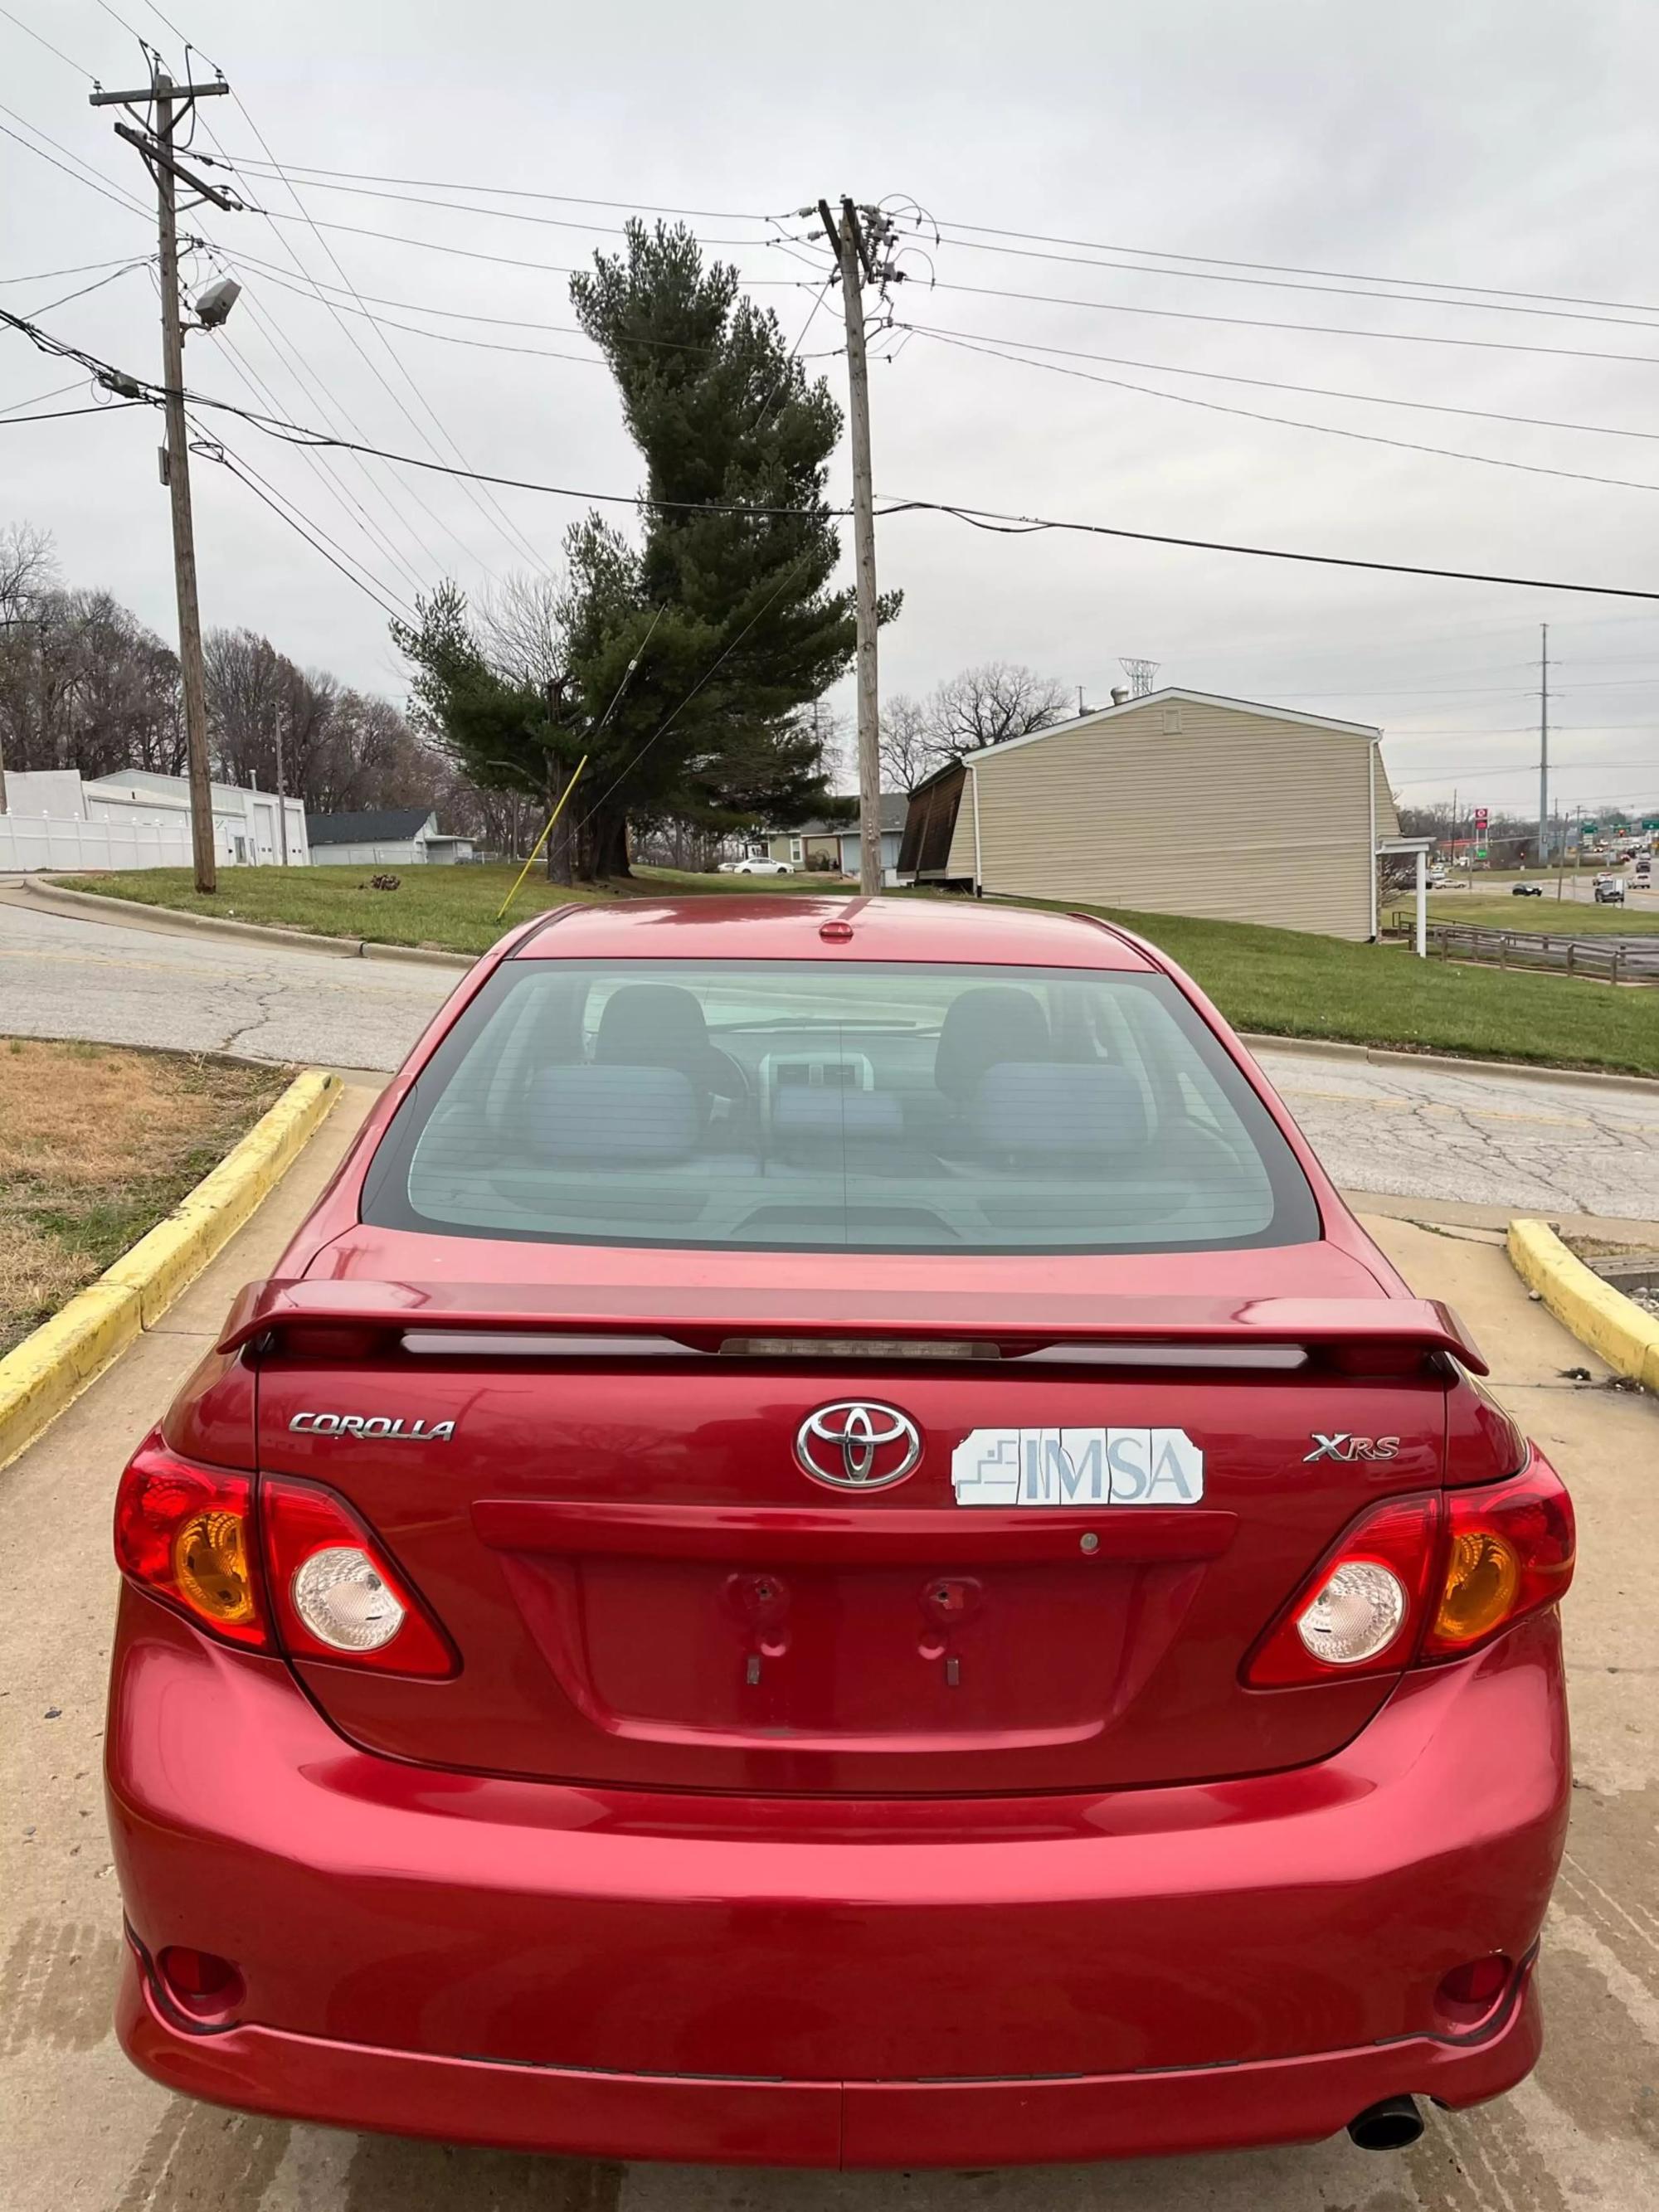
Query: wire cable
[
  {"x": 1278, "y": 384},
  {"x": 97, "y": 285},
  {"x": 1296, "y": 269},
  {"x": 121, "y": 199},
  {"x": 50, "y": 275},
  {"x": 1304, "y": 330},
  {"x": 63, "y": 414},
  {"x": 40, "y": 398},
  {"x": 483, "y": 499},
  {"x": 1292, "y": 284},
  {"x": 507, "y": 192},
  {"x": 41, "y": 40},
  {"x": 1292, "y": 422}
]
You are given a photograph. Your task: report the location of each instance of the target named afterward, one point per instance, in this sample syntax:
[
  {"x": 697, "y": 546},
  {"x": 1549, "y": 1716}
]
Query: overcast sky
[{"x": 1494, "y": 144}]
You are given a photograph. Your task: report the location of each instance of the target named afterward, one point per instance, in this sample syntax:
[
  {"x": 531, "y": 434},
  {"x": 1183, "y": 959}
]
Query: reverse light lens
[
  {"x": 342, "y": 1600},
  {"x": 337, "y": 1593},
  {"x": 1356, "y": 1615}
]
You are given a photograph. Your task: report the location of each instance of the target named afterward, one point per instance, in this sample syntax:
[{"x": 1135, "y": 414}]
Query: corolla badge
[
  {"x": 395, "y": 1429},
  {"x": 854, "y": 1446}
]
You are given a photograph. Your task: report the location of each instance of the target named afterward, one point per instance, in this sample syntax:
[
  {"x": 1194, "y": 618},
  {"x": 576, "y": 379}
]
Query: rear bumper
[
  {"x": 807, "y": 1982},
  {"x": 847, "y": 2124}
]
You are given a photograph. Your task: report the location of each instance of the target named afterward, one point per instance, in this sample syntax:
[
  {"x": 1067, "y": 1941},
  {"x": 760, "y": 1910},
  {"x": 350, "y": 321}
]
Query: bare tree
[
  {"x": 985, "y": 705},
  {"x": 84, "y": 685},
  {"x": 28, "y": 568},
  {"x": 522, "y": 629},
  {"x": 908, "y": 756}
]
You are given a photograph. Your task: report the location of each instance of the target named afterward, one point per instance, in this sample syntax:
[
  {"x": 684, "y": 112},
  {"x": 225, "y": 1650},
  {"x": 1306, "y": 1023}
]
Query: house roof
[
  {"x": 894, "y": 805},
  {"x": 385, "y": 824},
  {"x": 1171, "y": 695}
]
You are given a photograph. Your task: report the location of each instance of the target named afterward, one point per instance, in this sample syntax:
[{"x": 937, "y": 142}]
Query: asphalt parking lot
[{"x": 80, "y": 2131}]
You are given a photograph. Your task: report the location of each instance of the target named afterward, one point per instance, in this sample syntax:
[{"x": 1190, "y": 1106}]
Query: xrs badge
[{"x": 1345, "y": 1447}]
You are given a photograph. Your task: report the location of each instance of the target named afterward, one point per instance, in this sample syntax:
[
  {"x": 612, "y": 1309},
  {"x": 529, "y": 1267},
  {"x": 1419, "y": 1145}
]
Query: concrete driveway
[
  {"x": 80, "y": 2132},
  {"x": 1394, "y": 1131}
]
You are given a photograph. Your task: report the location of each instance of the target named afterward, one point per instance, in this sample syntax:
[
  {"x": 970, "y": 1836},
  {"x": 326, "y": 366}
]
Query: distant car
[
  {"x": 1436, "y": 879},
  {"x": 1609, "y": 891},
  {"x": 756, "y": 865},
  {"x": 1525, "y": 891}
]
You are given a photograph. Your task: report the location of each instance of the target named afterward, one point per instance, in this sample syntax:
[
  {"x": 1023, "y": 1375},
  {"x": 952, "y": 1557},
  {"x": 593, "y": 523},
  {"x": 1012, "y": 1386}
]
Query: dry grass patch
[{"x": 96, "y": 1146}]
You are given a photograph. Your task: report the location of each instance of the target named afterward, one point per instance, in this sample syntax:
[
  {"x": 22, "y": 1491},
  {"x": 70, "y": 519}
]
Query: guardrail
[{"x": 1607, "y": 959}]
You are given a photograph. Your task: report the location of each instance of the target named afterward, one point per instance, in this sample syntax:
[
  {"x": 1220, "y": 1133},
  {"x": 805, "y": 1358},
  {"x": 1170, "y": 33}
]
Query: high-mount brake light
[
  {"x": 335, "y": 1594},
  {"x": 184, "y": 1533}
]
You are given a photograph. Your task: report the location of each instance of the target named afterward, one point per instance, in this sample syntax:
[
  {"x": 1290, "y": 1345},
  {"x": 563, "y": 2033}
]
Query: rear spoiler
[{"x": 711, "y": 1320}]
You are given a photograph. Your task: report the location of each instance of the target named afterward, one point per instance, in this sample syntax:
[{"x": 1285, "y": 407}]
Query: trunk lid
[{"x": 616, "y": 1523}]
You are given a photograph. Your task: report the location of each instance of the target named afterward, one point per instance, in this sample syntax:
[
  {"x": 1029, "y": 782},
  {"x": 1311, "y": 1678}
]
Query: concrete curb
[
  {"x": 1612, "y": 1325},
  {"x": 51, "y": 1367},
  {"x": 1449, "y": 1063},
  {"x": 136, "y": 914}
]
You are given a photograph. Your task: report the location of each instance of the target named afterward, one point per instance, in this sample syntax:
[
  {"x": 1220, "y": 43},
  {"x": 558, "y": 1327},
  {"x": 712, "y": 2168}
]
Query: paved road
[
  {"x": 80, "y": 2131},
  {"x": 1489, "y": 1140}
]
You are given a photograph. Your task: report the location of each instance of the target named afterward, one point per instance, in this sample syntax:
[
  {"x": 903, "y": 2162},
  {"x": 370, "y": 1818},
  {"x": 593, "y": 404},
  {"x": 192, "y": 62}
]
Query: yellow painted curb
[
  {"x": 1598, "y": 1316},
  {"x": 51, "y": 1367}
]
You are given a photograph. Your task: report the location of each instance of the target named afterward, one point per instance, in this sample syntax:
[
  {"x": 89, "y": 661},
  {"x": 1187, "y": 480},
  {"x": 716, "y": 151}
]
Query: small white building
[
  {"x": 385, "y": 837},
  {"x": 138, "y": 818}
]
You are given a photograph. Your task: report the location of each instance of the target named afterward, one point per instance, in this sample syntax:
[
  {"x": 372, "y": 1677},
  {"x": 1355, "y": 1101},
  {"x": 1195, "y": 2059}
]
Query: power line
[
  {"x": 41, "y": 40},
  {"x": 48, "y": 275},
  {"x": 545, "y": 268},
  {"x": 484, "y": 501},
  {"x": 314, "y": 535},
  {"x": 1295, "y": 269},
  {"x": 1278, "y": 384},
  {"x": 39, "y": 398},
  {"x": 1293, "y": 423},
  {"x": 1305, "y": 330},
  {"x": 509, "y": 192},
  {"x": 1020, "y": 525},
  {"x": 979, "y": 518},
  {"x": 113, "y": 194},
  {"x": 63, "y": 414},
  {"x": 1486, "y": 307},
  {"x": 97, "y": 285}
]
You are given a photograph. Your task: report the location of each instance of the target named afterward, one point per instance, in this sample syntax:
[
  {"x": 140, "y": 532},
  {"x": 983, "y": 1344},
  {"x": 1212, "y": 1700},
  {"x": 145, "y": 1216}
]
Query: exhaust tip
[{"x": 1390, "y": 2125}]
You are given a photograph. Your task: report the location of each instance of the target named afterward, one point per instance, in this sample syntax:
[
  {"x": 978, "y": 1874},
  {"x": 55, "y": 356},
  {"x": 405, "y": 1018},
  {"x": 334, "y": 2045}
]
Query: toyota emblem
[{"x": 853, "y": 1446}]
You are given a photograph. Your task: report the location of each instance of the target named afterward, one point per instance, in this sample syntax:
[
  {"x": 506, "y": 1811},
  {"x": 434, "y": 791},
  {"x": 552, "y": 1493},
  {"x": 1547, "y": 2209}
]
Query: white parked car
[{"x": 753, "y": 864}]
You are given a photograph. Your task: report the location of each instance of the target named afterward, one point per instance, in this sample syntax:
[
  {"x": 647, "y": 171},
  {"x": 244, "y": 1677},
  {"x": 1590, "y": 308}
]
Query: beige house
[{"x": 1178, "y": 803}]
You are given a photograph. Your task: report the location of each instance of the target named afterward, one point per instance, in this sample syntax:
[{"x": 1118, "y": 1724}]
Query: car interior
[{"x": 901, "y": 1107}]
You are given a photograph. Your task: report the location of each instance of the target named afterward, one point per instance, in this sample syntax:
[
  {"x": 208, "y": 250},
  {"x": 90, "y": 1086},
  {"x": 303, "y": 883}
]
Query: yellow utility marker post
[{"x": 542, "y": 839}]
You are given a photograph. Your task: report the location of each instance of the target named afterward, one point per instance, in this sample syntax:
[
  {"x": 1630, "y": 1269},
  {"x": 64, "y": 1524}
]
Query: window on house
[{"x": 794, "y": 848}]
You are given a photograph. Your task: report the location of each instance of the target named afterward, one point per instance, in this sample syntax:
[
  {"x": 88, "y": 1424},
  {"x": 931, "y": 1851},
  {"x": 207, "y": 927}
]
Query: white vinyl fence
[{"x": 28, "y": 842}]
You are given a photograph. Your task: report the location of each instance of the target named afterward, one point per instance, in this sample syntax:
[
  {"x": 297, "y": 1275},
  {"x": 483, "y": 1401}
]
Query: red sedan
[{"x": 832, "y": 1548}]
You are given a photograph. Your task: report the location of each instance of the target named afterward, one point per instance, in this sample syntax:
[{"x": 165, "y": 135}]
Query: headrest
[
  {"x": 1048, "y": 1111},
  {"x": 652, "y": 1025},
  {"x": 994, "y": 1022},
  {"x": 613, "y": 1116}
]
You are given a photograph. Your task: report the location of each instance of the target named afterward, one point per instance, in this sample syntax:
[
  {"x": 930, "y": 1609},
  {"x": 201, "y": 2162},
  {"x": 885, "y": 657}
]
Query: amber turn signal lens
[
  {"x": 1482, "y": 1575},
  {"x": 210, "y": 1564}
]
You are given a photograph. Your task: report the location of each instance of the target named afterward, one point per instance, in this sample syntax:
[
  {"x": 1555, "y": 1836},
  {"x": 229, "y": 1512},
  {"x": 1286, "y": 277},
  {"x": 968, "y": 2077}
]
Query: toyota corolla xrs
[{"x": 831, "y": 1548}]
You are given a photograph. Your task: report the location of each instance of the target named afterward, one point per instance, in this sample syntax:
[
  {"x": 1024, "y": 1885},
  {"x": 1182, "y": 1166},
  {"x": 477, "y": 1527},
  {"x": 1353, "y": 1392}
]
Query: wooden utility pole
[
  {"x": 1544, "y": 746},
  {"x": 154, "y": 143},
  {"x": 282, "y": 795},
  {"x": 850, "y": 249}
]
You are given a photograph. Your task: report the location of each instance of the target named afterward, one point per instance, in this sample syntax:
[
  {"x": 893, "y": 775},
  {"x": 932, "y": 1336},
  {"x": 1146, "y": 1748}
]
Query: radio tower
[{"x": 1140, "y": 674}]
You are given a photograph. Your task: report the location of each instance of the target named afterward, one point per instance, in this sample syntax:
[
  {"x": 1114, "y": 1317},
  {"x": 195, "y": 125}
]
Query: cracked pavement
[{"x": 1478, "y": 1138}]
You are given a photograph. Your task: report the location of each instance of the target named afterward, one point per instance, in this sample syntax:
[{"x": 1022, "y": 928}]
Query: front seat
[
  {"x": 981, "y": 1029},
  {"x": 662, "y": 1026}
]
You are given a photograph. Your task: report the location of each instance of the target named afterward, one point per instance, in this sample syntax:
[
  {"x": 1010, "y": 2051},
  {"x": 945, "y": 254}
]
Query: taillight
[
  {"x": 1423, "y": 1579},
  {"x": 1509, "y": 1550},
  {"x": 1361, "y": 1610},
  {"x": 185, "y": 1533},
  {"x": 335, "y": 1593}
]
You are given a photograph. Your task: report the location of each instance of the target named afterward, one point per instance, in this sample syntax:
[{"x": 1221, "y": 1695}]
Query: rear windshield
[{"x": 791, "y": 1105}]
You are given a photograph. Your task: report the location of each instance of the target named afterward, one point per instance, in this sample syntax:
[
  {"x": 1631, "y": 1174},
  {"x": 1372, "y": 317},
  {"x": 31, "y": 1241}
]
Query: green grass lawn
[
  {"x": 454, "y": 908},
  {"x": 1546, "y": 917},
  {"x": 1286, "y": 982}
]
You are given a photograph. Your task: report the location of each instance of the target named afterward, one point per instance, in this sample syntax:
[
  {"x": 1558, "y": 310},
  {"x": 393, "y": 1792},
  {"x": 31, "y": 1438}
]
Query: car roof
[{"x": 775, "y": 926}]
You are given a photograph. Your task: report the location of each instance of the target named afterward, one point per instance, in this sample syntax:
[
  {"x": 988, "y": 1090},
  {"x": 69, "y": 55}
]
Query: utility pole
[
  {"x": 1544, "y": 747},
  {"x": 853, "y": 249},
  {"x": 281, "y": 789},
  {"x": 154, "y": 143}
]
